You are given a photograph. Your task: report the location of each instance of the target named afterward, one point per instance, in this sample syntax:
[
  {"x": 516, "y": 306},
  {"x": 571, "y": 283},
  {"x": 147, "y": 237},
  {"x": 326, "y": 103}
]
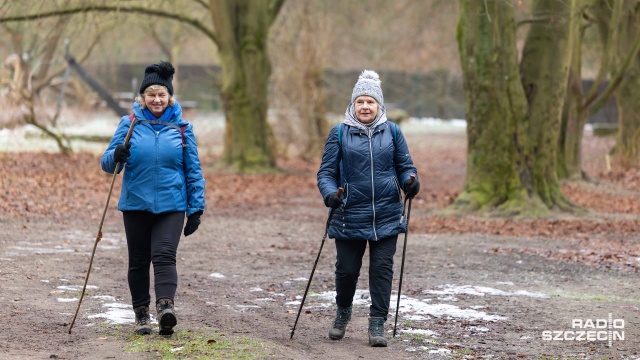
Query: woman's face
[
  {"x": 366, "y": 109},
  {"x": 156, "y": 100}
]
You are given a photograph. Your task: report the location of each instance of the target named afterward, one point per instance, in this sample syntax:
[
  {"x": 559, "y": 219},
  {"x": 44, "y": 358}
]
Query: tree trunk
[
  {"x": 512, "y": 129},
  {"x": 494, "y": 103},
  {"x": 620, "y": 46},
  {"x": 627, "y": 150},
  {"x": 546, "y": 60},
  {"x": 569, "y": 161},
  {"x": 242, "y": 27}
]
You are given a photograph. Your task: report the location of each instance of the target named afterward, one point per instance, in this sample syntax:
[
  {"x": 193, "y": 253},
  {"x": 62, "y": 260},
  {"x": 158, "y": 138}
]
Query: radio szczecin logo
[{"x": 608, "y": 330}]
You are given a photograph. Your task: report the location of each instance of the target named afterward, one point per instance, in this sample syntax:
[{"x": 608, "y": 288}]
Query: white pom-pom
[{"x": 370, "y": 75}]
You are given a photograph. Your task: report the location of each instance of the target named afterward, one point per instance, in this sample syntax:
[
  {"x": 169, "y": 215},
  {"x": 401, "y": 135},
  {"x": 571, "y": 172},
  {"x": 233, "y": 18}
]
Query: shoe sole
[
  {"x": 143, "y": 331},
  {"x": 167, "y": 322},
  {"x": 377, "y": 343}
]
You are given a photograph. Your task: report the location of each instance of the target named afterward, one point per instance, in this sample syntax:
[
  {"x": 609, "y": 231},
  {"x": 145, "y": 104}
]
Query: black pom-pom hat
[{"x": 158, "y": 74}]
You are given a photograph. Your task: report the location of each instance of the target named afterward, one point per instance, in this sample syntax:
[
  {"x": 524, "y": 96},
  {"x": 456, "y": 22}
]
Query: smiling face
[
  {"x": 156, "y": 99},
  {"x": 366, "y": 109}
]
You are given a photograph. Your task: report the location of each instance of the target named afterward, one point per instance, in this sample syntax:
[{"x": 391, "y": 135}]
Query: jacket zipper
[
  {"x": 156, "y": 177},
  {"x": 373, "y": 190}
]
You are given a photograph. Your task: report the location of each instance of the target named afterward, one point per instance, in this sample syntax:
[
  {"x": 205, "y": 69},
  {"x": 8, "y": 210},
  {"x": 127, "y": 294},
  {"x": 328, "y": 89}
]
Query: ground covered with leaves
[{"x": 493, "y": 284}]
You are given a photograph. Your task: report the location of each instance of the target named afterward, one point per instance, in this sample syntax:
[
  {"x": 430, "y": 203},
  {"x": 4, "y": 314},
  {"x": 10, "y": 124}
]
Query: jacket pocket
[
  {"x": 398, "y": 188},
  {"x": 346, "y": 194}
]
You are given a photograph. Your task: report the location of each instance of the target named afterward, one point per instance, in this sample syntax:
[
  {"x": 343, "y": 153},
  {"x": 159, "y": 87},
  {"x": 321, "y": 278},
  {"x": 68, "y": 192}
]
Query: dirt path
[
  {"x": 475, "y": 295},
  {"x": 240, "y": 279}
]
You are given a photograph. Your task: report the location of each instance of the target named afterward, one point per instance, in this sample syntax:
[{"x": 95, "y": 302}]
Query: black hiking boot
[
  {"x": 343, "y": 315},
  {"x": 376, "y": 332},
  {"x": 166, "y": 316},
  {"x": 143, "y": 321}
]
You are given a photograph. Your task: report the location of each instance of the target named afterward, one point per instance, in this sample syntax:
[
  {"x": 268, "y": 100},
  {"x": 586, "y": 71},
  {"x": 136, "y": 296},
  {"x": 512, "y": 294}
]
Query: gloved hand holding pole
[
  {"x": 104, "y": 212},
  {"x": 326, "y": 231}
]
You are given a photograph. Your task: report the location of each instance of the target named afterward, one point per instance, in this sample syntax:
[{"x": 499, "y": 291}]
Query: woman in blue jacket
[
  {"x": 368, "y": 157},
  {"x": 162, "y": 182}
]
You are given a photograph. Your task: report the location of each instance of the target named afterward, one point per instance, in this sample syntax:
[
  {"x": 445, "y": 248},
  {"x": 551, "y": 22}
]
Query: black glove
[
  {"x": 411, "y": 189},
  {"x": 334, "y": 201},
  {"x": 193, "y": 221},
  {"x": 122, "y": 152}
]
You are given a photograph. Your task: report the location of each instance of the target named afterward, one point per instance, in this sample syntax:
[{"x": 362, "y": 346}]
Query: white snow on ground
[
  {"x": 76, "y": 287},
  {"x": 423, "y": 332},
  {"x": 216, "y": 275},
  {"x": 256, "y": 289},
  {"x": 116, "y": 313},
  {"x": 452, "y": 289},
  {"x": 67, "y": 299},
  {"x": 413, "y": 306},
  {"x": 104, "y": 123},
  {"x": 419, "y": 307},
  {"x": 38, "y": 251},
  {"x": 434, "y": 351}
]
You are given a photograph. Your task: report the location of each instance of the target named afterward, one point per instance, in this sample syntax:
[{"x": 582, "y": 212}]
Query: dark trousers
[
  {"x": 348, "y": 264},
  {"x": 152, "y": 238}
]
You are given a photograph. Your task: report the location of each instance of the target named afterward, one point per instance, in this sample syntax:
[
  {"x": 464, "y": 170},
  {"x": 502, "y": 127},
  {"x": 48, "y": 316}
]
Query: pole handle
[
  {"x": 340, "y": 191},
  {"x": 412, "y": 178}
]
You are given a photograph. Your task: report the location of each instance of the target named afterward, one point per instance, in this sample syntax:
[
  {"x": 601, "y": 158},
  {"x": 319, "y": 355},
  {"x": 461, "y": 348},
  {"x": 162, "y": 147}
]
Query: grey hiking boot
[
  {"x": 343, "y": 315},
  {"x": 376, "y": 332},
  {"x": 166, "y": 316},
  {"x": 143, "y": 321}
]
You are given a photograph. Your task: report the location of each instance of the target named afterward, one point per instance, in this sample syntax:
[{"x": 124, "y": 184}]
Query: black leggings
[
  {"x": 152, "y": 238},
  {"x": 348, "y": 264}
]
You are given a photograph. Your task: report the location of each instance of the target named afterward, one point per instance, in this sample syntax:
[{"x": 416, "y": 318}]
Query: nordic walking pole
[
  {"x": 99, "y": 236},
  {"x": 326, "y": 231},
  {"x": 404, "y": 251}
]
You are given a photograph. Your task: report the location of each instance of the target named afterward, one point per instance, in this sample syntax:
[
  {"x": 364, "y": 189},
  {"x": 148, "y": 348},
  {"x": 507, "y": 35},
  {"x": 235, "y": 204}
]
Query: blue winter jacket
[
  {"x": 371, "y": 171},
  {"x": 160, "y": 176}
]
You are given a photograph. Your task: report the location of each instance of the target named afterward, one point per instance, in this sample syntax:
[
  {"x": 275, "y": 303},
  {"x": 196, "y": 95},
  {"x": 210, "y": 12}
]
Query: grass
[
  {"x": 197, "y": 345},
  {"x": 592, "y": 297}
]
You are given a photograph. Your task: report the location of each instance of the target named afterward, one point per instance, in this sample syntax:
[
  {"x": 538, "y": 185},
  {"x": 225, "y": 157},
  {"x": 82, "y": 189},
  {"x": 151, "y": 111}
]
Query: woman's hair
[{"x": 140, "y": 99}]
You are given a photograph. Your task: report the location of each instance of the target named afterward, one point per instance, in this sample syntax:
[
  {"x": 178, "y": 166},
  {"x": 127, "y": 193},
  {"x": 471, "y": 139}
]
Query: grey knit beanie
[
  {"x": 158, "y": 74},
  {"x": 368, "y": 84}
]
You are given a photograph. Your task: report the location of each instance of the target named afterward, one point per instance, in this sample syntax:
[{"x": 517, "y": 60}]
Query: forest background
[{"x": 316, "y": 49}]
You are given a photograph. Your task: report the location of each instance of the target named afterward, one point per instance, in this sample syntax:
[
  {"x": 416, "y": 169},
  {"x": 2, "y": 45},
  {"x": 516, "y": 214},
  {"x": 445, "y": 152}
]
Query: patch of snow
[
  {"x": 116, "y": 313},
  {"x": 452, "y": 289},
  {"x": 216, "y": 275},
  {"x": 67, "y": 299},
  {"x": 76, "y": 287},
  {"x": 424, "y": 332},
  {"x": 255, "y": 289}
]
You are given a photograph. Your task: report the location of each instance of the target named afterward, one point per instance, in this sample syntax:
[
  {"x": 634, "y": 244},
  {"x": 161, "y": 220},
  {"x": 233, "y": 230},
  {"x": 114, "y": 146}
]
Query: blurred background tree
[{"x": 224, "y": 49}]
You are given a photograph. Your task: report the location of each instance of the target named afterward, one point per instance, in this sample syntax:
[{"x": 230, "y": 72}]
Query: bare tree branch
[
  {"x": 45, "y": 82},
  {"x": 50, "y": 47},
  {"x": 202, "y": 3},
  {"x": 128, "y": 9},
  {"x": 596, "y": 102},
  {"x": 274, "y": 9}
]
